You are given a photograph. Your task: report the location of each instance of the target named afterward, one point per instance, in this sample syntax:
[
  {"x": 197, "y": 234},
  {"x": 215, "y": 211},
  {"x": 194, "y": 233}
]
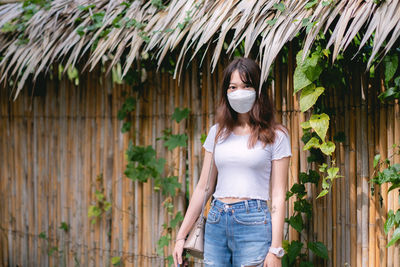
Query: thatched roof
[{"x": 51, "y": 35}]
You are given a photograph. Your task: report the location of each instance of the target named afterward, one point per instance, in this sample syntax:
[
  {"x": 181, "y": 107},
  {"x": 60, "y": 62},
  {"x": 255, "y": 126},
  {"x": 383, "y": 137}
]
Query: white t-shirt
[{"x": 244, "y": 172}]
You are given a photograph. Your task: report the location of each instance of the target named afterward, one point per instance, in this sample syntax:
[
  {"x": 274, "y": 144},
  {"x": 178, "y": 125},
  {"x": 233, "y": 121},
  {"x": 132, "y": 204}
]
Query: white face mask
[{"x": 241, "y": 100}]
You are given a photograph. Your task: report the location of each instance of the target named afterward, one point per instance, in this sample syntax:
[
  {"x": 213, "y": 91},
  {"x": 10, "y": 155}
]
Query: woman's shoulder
[
  {"x": 214, "y": 127},
  {"x": 281, "y": 132}
]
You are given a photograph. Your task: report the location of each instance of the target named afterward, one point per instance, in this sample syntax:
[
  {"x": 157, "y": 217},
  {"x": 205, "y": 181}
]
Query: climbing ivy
[
  {"x": 143, "y": 165},
  {"x": 389, "y": 175},
  {"x": 306, "y": 77},
  {"x": 101, "y": 204},
  {"x": 392, "y": 78}
]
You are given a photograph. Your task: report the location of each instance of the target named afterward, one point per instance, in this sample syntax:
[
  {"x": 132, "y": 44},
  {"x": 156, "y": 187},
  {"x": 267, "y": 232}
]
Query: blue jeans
[{"x": 237, "y": 234}]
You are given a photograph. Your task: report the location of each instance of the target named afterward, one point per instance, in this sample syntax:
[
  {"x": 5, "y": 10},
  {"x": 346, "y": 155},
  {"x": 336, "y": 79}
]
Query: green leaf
[
  {"x": 272, "y": 22},
  {"x": 115, "y": 260},
  {"x": 94, "y": 211},
  {"x": 305, "y": 125},
  {"x": 309, "y": 96},
  {"x": 391, "y": 63},
  {"x": 289, "y": 195},
  {"x": 327, "y": 148},
  {"x": 279, "y": 6},
  {"x": 326, "y": 3},
  {"x": 320, "y": 123},
  {"x": 8, "y": 27},
  {"x": 302, "y": 205},
  {"x": 86, "y": 8},
  {"x": 311, "y": 4},
  {"x": 323, "y": 167},
  {"x": 163, "y": 242},
  {"x": 296, "y": 222},
  {"x": 203, "y": 138},
  {"x": 312, "y": 177},
  {"x": 169, "y": 185},
  {"x": 311, "y": 66},
  {"x": 126, "y": 127},
  {"x": 313, "y": 142},
  {"x": 397, "y": 216},
  {"x": 390, "y": 93},
  {"x": 294, "y": 251},
  {"x": 300, "y": 79},
  {"x": 319, "y": 249},
  {"x": 323, "y": 193},
  {"x": 176, "y": 140},
  {"x": 285, "y": 261},
  {"x": 389, "y": 222},
  {"x": 395, "y": 237},
  {"x": 178, "y": 218},
  {"x": 332, "y": 172},
  {"x": 64, "y": 226},
  {"x": 298, "y": 189},
  {"x": 107, "y": 205},
  {"x": 42, "y": 235},
  {"x": 180, "y": 114}
]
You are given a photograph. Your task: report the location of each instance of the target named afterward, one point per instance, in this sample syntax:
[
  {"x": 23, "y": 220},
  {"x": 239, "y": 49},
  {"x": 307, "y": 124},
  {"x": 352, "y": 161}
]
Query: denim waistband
[{"x": 244, "y": 204}]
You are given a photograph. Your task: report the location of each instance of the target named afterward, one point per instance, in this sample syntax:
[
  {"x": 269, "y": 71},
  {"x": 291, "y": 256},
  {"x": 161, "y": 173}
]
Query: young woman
[{"x": 251, "y": 156}]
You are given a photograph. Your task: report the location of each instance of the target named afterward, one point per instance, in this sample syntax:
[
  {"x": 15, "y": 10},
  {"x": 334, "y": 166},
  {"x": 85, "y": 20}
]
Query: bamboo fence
[{"x": 56, "y": 141}]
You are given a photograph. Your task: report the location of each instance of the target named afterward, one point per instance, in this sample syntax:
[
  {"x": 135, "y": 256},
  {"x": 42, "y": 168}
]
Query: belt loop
[
  {"x": 258, "y": 204},
  {"x": 246, "y": 203}
]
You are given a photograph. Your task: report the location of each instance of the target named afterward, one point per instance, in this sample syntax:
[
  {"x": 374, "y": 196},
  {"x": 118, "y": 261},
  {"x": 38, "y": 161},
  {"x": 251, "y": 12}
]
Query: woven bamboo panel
[{"x": 56, "y": 141}]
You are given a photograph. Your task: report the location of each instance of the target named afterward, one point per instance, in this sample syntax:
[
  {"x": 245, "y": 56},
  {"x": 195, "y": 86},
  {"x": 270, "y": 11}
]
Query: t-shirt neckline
[{"x": 245, "y": 135}]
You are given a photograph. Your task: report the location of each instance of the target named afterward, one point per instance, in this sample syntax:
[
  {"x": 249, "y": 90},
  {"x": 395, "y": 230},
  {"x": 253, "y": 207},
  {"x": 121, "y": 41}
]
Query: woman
[{"x": 251, "y": 156}]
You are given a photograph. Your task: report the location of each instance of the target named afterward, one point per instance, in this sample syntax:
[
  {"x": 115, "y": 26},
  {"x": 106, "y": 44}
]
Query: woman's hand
[
  {"x": 178, "y": 250},
  {"x": 272, "y": 261}
]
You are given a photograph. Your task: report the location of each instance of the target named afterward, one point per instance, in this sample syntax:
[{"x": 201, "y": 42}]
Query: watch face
[{"x": 281, "y": 252}]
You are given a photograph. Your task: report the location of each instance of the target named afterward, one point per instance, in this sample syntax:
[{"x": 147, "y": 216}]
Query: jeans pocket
[
  {"x": 250, "y": 218},
  {"x": 213, "y": 216}
]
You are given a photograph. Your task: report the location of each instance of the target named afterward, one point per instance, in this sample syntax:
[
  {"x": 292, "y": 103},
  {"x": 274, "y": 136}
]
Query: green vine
[
  {"x": 392, "y": 78},
  {"x": 308, "y": 82},
  {"x": 301, "y": 206},
  {"x": 101, "y": 204},
  {"x": 143, "y": 164},
  {"x": 306, "y": 77},
  {"x": 389, "y": 175},
  {"x": 55, "y": 250}
]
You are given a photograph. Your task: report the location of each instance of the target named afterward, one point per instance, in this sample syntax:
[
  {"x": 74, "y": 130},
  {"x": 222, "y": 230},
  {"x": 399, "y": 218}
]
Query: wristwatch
[{"x": 279, "y": 252}]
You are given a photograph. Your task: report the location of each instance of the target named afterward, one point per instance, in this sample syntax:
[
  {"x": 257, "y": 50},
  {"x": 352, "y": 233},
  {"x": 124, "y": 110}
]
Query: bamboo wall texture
[{"x": 55, "y": 142}]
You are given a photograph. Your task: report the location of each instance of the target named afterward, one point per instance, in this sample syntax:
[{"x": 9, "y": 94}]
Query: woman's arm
[
  {"x": 279, "y": 174},
  {"x": 195, "y": 205}
]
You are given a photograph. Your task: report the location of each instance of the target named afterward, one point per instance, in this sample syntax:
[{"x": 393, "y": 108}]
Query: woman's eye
[{"x": 231, "y": 87}]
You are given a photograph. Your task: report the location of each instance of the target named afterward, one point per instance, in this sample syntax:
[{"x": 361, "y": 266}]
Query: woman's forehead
[{"x": 239, "y": 77}]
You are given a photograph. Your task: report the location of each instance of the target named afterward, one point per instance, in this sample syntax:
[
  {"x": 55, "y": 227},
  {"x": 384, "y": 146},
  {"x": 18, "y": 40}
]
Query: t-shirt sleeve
[
  {"x": 209, "y": 143},
  {"x": 281, "y": 147}
]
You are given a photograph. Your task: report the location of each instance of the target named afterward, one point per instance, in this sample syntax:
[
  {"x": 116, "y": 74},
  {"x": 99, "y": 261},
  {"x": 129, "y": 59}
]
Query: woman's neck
[{"x": 243, "y": 119}]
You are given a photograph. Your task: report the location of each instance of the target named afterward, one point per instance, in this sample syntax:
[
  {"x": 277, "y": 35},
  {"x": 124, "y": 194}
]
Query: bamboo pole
[
  {"x": 358, "y": 146},
  {"x": 352, "y": 182},
  {"x": 390, "y": 200},
  {"x": 364, "y": 173},
  {"x": 383, "y": 188},
  {"x": 371, "y": 126},
  {"x": 396, "y": 159}
]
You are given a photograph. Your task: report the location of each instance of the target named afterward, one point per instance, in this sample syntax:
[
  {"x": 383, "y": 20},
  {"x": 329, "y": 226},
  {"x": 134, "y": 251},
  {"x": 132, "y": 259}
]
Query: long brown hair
[{"x": 262, "y": 115}]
